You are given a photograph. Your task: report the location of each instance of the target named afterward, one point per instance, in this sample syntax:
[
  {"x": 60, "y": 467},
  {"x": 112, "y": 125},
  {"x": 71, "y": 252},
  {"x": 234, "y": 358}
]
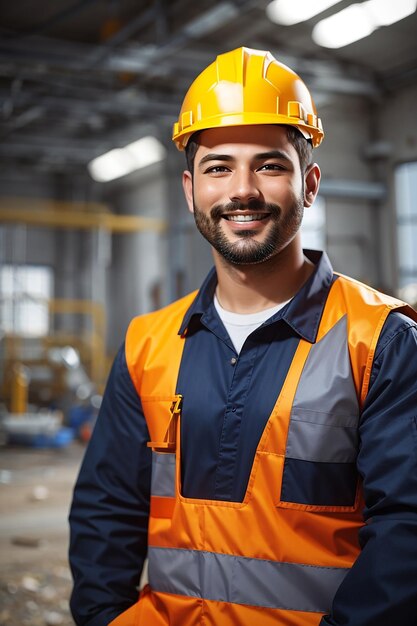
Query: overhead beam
[
  {"x": 67, "y": 215},
  {"x": 151, "y": 60},
  {"x": 353, "y": 189},
  {"x": 57, "y": 54}
]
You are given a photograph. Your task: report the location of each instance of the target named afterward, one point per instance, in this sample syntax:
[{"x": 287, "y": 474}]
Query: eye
[
  {"x": 216, "y": 169},
  {"x": 272, "y": 167}
]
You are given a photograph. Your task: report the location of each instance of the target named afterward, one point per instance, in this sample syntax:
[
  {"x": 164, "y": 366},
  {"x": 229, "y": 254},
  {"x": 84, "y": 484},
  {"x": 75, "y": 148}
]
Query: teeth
[{"x": 245, "y": 218}]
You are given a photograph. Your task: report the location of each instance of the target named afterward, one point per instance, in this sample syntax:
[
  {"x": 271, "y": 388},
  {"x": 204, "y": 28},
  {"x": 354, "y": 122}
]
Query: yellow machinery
[
  {"x": 32, "y": 374},
  {"x": 19, "y": 389}
]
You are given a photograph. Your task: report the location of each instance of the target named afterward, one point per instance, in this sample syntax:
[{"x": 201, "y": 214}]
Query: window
[
  {"x": 405, "y": 186},
  {"x": 313, "y": 233},
  {"x": 24, "y": 294}
]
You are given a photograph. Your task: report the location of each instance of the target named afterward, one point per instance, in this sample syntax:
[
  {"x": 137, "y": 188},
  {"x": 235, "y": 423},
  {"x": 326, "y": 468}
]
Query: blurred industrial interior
[{"x": 83, "y": 250}]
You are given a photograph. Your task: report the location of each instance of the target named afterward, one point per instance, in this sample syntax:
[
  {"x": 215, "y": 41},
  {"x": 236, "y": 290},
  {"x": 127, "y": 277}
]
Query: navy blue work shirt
[{"x": 227, "y": 400}]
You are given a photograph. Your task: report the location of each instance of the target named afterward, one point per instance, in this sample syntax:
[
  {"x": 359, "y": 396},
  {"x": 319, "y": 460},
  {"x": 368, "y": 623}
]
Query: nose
[{"x": 243, "y": 185}]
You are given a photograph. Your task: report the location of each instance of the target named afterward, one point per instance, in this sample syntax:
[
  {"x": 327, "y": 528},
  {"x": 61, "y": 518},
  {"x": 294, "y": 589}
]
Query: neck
[{"x": 252, "y": 288}]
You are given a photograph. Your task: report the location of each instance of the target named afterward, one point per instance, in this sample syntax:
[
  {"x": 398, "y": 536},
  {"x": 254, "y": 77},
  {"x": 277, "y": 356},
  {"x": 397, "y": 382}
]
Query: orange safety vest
[{"x": 265, "y": 560}]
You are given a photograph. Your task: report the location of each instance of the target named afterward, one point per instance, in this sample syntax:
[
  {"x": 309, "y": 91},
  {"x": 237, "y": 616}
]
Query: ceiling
[{"x": 79, "y": 77}]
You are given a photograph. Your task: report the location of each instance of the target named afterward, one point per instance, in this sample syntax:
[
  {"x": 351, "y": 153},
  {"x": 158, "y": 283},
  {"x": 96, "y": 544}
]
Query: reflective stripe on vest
[
  {"x": 163, "y": 475},
  {"x": 325, "y": 411},
  {"x": 241, "y": 580}
]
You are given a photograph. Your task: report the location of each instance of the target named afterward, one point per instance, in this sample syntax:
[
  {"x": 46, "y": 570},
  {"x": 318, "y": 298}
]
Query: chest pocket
[
  {"x": 322, "y": 443},
  {"x": 162, "y": 413}
]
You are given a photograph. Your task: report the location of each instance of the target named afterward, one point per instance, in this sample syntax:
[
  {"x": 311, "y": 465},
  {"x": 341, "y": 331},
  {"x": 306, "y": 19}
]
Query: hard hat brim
[{"x": 181, "y": 137}]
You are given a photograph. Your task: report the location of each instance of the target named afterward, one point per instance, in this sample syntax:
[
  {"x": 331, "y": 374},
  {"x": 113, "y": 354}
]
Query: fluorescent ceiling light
[
  {"x": 122, "y": 161},
  {"x": 360, "y": 20},
  {"x": 385, "y": 12},
  {"x": 290, "y": 12}
]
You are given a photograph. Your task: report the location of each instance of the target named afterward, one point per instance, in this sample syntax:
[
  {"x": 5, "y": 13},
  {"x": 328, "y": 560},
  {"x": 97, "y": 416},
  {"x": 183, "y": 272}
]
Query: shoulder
[
  {"x": 395, "y": 361},
  {"x": 397, "y": 327},
  {"x": 154, "y": 334},
  {"x": 367, "y": 294},
  {"x": 366, "y": 301},
  {"x": 172, "y": 314}
]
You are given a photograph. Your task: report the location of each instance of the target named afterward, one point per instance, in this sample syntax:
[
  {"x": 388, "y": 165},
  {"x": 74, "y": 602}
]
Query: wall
[
  {"x": 397, "y": 130},
  {"x": 136, "y": 272},
  {"x": 364, "y": 142},
  {"x": 351, "y": 220}
]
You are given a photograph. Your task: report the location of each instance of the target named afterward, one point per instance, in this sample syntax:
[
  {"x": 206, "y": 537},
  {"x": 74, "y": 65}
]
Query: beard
[{"x": 246, "y": 250}]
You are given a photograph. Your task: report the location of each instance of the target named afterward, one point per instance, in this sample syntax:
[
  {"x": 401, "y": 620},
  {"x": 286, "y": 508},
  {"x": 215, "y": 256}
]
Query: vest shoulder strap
[
  {"x": 367, "y": 310},
  {"x": 153, "y": 340}
]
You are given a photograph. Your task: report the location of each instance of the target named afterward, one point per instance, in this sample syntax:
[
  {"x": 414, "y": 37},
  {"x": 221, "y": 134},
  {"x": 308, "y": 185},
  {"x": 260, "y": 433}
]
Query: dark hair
[
  {"x": 190, "y": 150},
  {"x": 301, "y": 144}
]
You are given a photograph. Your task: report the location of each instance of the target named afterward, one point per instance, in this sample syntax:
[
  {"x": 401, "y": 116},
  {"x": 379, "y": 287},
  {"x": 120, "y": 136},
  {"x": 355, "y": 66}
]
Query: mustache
[{"x": 218, "y": 211}]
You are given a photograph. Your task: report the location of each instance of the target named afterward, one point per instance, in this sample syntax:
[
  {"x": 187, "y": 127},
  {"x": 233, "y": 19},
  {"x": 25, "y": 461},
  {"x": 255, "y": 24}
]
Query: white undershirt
[{"x": 240, "y": 325}]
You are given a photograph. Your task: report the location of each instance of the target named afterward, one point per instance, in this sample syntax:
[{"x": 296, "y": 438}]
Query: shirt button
[{"x": 233, "y": 360}]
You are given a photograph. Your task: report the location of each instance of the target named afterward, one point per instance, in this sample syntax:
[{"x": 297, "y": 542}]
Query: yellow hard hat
[{"x": 243, "y": 87}]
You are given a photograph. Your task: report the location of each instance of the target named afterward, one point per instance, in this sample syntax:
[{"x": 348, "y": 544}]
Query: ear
[
  {"x": 187, "y": 184},
  {"x": 312, "y": 183}
]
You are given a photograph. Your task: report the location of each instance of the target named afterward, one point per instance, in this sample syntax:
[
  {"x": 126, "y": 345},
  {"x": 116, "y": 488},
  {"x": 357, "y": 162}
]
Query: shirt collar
[
  {"x": 202, "y": 301},
  {"x": 302, "y": 314}
]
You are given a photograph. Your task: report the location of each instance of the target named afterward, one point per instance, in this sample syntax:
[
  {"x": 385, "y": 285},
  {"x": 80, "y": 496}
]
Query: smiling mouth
[{"x": 247, "y": 217}]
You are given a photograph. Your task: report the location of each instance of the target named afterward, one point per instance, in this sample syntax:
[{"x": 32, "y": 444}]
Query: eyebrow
[
  {"x": 272, "y": 154},
  {"x": 212, "y": 156}
]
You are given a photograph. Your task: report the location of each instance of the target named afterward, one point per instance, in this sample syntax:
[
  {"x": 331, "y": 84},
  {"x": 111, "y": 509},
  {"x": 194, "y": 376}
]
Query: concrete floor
[{"x": 35, "y": 494}]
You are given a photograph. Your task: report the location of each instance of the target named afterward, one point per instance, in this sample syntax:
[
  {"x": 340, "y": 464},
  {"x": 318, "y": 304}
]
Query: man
[{"x": 257, "y": 439}]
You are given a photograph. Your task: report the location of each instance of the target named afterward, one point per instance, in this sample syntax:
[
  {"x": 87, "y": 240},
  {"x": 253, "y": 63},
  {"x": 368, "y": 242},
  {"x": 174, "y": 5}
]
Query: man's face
[{"x": 247, "y": 192}]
